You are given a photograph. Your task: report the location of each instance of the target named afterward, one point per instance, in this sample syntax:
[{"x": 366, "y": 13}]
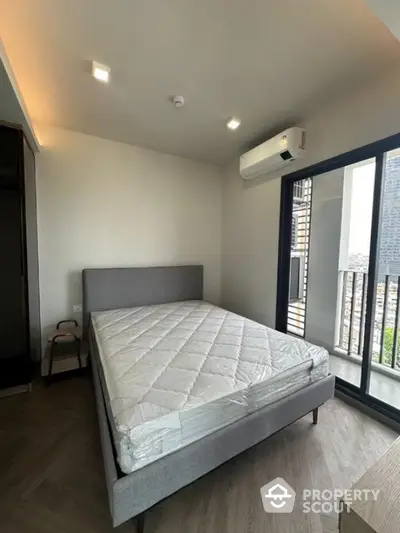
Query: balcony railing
[{"x": 385, "y": 346}]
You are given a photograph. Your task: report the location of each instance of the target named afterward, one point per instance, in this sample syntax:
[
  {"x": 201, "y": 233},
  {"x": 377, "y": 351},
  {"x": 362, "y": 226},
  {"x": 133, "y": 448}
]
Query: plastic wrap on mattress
[{"x": 175, "y": 373}]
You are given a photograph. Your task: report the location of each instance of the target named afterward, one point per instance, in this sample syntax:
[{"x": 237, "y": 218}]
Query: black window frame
[{"x": 376, "y": 150}]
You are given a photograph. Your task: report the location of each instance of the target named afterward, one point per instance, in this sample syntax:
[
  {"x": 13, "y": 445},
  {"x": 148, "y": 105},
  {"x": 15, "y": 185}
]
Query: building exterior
[{"x": 389, "y": 248}]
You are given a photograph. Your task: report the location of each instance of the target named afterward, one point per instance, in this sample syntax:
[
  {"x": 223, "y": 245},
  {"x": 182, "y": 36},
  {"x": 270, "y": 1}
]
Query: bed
[{"x": 182, "y": 385}]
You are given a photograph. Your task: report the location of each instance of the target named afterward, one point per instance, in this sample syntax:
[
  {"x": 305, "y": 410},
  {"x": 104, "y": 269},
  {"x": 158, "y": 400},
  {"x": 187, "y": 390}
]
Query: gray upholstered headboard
[{"x": 116, "y": 288}]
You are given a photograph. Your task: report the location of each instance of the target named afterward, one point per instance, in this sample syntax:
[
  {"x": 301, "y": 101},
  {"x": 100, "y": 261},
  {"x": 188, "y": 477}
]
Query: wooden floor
[{"x": 52, "y": 480}]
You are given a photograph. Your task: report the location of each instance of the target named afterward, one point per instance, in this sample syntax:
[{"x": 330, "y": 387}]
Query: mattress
[{"x": 176, "y": 372}]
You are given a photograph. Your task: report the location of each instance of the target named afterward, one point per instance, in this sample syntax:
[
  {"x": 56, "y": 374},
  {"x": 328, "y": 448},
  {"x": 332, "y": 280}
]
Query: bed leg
[
  {"x": 315, "y": 416},
  {"x": 140, "y": 523}
]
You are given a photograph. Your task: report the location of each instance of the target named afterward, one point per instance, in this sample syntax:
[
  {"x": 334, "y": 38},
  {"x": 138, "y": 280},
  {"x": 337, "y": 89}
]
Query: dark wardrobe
[{"x": 20, "y": 337}]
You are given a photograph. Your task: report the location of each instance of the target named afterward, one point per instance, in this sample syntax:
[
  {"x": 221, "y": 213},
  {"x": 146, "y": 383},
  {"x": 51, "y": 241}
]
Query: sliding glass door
[
  {"x": 339, "y": 268},
  {"x": 354, "y": 270},
  {"x": 384, "y": 370}
]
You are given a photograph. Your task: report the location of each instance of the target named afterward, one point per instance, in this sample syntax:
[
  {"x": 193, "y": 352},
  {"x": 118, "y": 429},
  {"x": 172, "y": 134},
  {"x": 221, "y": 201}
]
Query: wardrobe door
[
  {"x": 32, "y": 262},
  {"x": 14, "y": 348},
  {"x": 13, "y": 331}
]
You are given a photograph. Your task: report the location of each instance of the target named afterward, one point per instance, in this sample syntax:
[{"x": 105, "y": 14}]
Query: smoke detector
[{"x": 179, "y": 101}]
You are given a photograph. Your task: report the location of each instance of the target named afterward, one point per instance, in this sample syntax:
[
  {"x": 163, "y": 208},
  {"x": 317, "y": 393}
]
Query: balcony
[
  {"x": 382, "y": 386},
  {"x": 385, "y": 368}
]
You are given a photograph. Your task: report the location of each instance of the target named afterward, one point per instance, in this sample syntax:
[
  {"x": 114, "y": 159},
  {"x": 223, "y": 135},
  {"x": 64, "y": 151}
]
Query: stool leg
[
  {"x": 78, "y": 351},
  {"x": 52, "y": 348}
]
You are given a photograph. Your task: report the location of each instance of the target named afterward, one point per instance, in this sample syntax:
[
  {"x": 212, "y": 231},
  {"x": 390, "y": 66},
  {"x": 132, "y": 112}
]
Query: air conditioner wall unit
[{"x": 273, "y": 154}]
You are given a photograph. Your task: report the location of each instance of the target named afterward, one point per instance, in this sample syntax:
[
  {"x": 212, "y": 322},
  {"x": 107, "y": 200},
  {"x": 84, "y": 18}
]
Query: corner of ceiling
[
  {"x": 388, "y": 12},
  {"x": 21, "y": 116}
]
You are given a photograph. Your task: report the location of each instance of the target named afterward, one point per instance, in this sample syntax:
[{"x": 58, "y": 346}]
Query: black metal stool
[{"x": 62, "y": 336}]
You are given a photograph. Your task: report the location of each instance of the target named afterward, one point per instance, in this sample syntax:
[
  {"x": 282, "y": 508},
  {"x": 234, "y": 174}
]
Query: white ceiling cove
[
  {"x": 12, "y": 108},
  {"x": 269, "y": 62}
]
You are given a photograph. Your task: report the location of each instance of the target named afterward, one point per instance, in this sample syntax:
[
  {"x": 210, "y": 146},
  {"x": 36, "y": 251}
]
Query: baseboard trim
[{"x": 19, "y": 389}]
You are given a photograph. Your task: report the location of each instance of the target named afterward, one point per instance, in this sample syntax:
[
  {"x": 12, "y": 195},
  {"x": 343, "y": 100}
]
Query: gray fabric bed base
[
  {"x": 132, "y": 494},
  {"x": 129, "y": 495}
]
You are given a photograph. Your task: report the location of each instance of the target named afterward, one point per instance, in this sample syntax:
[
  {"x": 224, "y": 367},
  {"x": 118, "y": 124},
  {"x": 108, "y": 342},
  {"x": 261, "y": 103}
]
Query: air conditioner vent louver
[{"x": 286, "y": 155}]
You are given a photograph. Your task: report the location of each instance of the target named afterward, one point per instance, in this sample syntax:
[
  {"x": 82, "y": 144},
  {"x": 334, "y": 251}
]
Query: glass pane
[
  {"x": 337, "y": 264},
  {"x": 358, "y": 198},
  {"x": 300, "y": 243},
  {"x": 385, "y": 371}
]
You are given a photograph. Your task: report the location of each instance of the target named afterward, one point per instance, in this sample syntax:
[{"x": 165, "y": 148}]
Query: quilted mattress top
[{"x": 166, "y": 358}]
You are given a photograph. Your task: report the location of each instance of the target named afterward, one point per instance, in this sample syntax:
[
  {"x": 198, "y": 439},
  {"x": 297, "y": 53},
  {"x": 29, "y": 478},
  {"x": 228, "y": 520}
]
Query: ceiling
[{"x": 270, "y": 62}]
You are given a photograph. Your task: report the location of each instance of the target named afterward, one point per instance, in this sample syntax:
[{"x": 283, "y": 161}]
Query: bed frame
[{"x": 131, "y": 495}]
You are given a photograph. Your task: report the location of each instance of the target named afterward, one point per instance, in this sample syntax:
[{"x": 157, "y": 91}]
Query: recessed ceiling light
[
  {"x": 100, "y": 72},
  {"x": 233, "y": 123}
]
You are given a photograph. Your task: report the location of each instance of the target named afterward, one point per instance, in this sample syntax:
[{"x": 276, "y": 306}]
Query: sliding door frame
[
  {"x": 375, "y": 150},
  {"x": 372, "y": 275}
]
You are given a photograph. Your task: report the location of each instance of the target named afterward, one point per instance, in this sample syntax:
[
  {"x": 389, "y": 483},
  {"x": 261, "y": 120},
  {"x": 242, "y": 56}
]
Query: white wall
[
  {"x": 250, "y": 219},
  {"x": 102, "y": 203}
]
